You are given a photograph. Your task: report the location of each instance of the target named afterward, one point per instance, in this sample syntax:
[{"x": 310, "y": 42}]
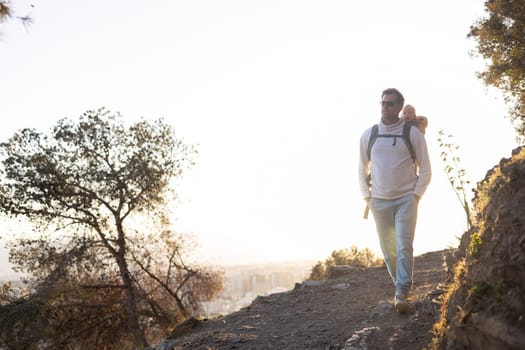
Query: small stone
[{"x": 341, "y": 286}]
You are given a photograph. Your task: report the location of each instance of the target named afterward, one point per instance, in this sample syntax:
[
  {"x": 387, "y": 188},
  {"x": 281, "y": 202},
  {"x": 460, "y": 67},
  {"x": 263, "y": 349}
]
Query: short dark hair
[{"x": 392, "y": 91}]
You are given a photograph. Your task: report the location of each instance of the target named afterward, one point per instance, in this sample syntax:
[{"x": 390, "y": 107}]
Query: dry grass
[{"x": 441, "y": 326}]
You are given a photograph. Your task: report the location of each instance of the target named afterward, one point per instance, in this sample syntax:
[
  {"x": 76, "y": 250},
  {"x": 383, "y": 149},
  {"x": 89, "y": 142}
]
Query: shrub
[{"x": 348, "y": 256}]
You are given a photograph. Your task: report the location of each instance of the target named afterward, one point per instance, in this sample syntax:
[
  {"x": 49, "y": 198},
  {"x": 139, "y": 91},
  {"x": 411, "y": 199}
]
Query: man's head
[{"x": 391, "y": 104}]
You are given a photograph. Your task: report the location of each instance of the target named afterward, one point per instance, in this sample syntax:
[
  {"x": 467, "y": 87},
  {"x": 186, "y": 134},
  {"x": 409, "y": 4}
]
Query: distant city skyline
[{"x": 242, "y": 284}]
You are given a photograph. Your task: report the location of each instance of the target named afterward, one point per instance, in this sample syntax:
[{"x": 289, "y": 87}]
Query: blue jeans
[{"x": 396, "y": 225}]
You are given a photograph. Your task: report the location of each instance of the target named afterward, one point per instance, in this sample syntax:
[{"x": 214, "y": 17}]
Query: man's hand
[{"x": 367, "y": 209}]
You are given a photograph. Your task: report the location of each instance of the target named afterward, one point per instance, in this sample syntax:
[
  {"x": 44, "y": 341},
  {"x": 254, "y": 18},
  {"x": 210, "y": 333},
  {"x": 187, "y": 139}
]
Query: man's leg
[
  {"x": 406, "y": 218},
  {"x": 383, "y": 211}
]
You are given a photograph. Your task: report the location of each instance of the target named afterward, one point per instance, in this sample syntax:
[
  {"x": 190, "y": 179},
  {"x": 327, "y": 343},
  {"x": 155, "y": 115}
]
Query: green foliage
[
  {"x": 318, "y": 271},
  {"x": 483, "y": 289},
  {"x": 347, "y": 256},
  {"x": 475, "y": 245},
  {"x": 456, "y": 175},
  {"x": 501, "y": 41},
  {"x": 106, "y": 271},
  {"x": 480, "y": 289}
]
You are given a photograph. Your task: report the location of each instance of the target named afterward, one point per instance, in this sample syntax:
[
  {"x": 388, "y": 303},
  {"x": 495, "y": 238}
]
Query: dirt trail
[{"x": 353, "y": 311}]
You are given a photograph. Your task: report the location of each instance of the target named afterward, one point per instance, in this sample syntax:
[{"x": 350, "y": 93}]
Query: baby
[{"x": 409, "y": 114}]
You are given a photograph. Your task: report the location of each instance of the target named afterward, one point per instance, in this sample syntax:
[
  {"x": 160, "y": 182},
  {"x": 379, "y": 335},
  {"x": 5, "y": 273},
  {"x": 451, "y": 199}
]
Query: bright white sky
[{"x": 276, "y": 94}]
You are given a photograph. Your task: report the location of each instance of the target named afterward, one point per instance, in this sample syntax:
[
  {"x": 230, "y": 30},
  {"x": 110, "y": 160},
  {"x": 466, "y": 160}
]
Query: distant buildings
[{"x": 244, "y": 283}]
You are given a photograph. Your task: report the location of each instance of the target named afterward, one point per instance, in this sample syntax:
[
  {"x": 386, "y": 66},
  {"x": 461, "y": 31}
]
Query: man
[{"x": 392, "y": 182}]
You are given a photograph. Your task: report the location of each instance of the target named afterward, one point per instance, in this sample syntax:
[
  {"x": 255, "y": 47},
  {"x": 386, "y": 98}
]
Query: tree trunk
[
  {"x": 131, "y": 301},
  {"x": 131, "y": 304}
]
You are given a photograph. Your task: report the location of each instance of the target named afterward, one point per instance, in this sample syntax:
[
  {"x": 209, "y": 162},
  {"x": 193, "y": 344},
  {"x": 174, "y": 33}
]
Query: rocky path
[{"x": 352, "y": 311}]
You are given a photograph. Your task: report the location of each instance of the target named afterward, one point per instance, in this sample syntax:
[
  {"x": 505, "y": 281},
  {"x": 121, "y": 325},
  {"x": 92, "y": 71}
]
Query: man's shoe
[{"x": 401, "y": 304}]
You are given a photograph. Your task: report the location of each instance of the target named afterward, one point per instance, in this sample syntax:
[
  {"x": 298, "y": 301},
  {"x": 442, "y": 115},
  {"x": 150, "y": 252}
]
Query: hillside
[
  {"x": 351, "y": 311},
  {"x": 485, "y": 306}
]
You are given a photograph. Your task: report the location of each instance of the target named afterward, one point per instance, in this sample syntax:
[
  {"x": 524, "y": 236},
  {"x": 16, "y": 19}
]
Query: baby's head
[{"x": 408, "y": 112}]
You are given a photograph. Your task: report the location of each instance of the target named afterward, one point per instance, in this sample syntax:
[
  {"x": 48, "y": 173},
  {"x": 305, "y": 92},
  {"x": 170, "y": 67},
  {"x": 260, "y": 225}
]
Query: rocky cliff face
[{"x": 485, "y": 307}]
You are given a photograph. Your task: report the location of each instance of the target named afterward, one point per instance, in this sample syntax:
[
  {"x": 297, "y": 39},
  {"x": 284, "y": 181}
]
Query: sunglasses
[{"x": 388, "y": 103}]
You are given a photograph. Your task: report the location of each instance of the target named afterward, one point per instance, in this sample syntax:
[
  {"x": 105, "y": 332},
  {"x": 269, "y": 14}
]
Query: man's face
[{"x": 390, "y": 108}]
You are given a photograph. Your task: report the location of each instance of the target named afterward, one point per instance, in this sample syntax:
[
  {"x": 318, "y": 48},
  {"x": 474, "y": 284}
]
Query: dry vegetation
[
  {"x": 484, "y": 307},
  {"x": 350, "y": 257}
]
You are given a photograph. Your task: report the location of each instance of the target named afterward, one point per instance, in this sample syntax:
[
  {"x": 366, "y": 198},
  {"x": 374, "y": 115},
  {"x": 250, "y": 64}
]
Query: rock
[
  {"x": 340, "y": 286},
  {"x": 311, "y": 283},
  {"x": 379, "y": 310},
  {"x": 165, "y": 345},
  {"x": 358, "y": 341},
  {"x": 340, "y": 270},
  {"x": 184, "y": 327}
]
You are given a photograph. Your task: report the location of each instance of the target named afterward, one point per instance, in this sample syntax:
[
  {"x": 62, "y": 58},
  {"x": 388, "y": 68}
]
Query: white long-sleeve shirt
[{"x": 393, "y": 172}]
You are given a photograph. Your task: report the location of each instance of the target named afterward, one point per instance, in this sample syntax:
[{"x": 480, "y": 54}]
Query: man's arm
[
  {"x": 364, "y": 165},
  {"x": 423, "y": 161}
]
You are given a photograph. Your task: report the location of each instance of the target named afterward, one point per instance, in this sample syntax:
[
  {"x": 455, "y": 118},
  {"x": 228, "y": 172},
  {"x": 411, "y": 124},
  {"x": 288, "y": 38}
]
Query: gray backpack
[{"x": 405, "y": 136}]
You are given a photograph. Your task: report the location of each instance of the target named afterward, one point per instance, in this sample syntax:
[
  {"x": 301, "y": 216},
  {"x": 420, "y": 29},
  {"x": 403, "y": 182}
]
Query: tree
[
  {"x": 107, "y": 264},
  {"x": 501, "y": 40},
  {"x": 456, "y": 175},
  {"x": 7, "y": 12}
]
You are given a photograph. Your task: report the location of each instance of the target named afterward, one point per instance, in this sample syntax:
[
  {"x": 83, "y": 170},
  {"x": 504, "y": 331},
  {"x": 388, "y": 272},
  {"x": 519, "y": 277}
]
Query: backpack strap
[
  {"x": 372, "y": 139},
  {"x": 406, "y": 138}
]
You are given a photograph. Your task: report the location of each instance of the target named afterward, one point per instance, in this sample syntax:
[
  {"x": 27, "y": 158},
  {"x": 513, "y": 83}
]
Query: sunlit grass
[{"x": 441, "y": 326}]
